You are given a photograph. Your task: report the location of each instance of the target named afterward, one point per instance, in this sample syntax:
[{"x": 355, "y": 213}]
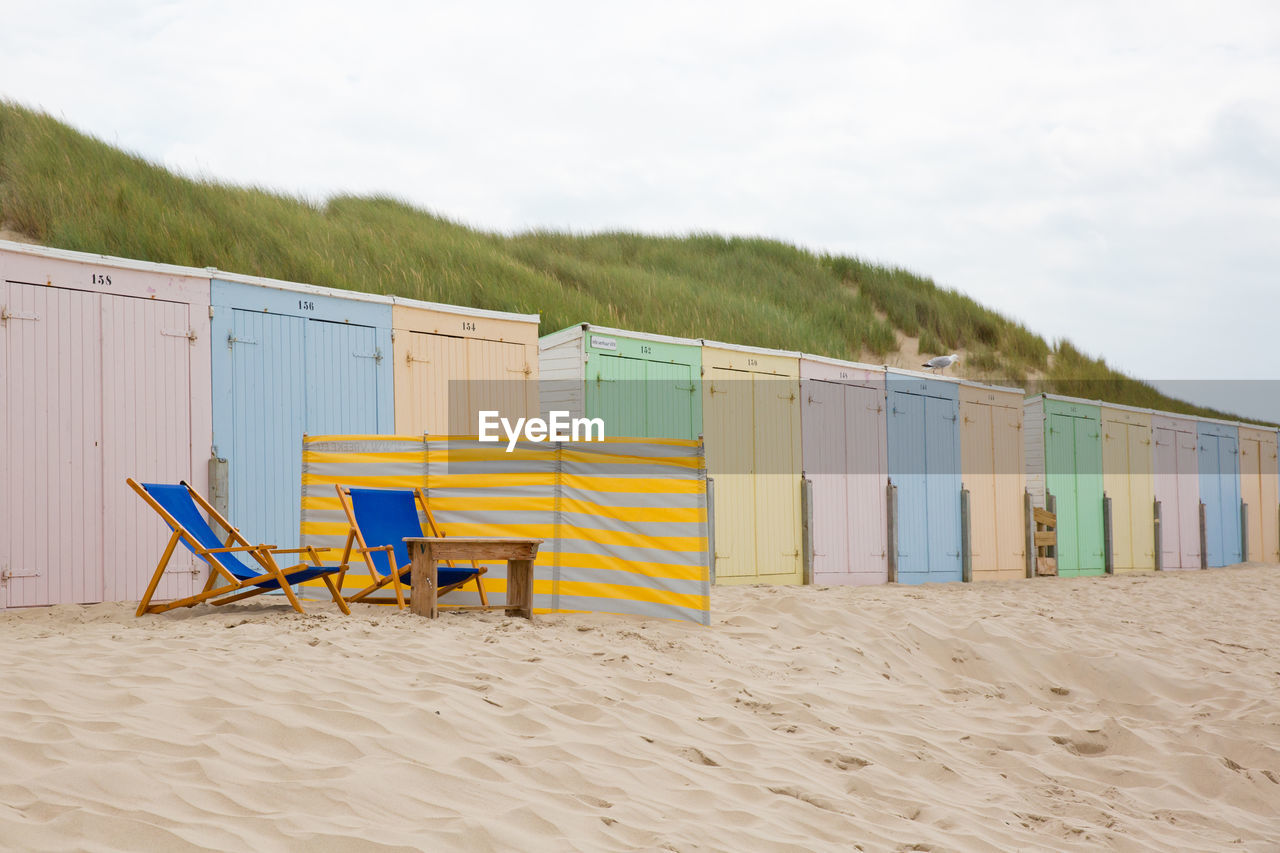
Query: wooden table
[{"x": 428, "y": 551}]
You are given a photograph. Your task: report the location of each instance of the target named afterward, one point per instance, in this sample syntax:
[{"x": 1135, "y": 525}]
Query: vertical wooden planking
[
  {"x": 1211, "y": 497},
  {"x": 1141, "y": 496},
  {"x": 730, "y": 460},
  {"x": 776, "y": 420},
  {"x": 1166, "y": 483},
  {"x": 759, "y": 422},
  {"x": 1250, "y": 493},
  {"x": 451, "y": 362},
  {"x": 978, "y": 459},
  {"x": 1229, "y": 450},
  {"x": 268, "y": 415},
  {"x": 991, "y": 457},
  {"x": 1127, "y": 479},
  {"x": 448, "y": 373},
  {"x": 826, "y": 464},
  {"x": 1074, "y": 475},
  {"x": 906, "y": 453},
  {"x": 55, "y": 447},
  {"x": 342, "y": 365},
  {"x": 645, "y": 386},
  {"x": 1219, "y": 468},
  {"x": 923, "y": 437},
  {"x": 289, "y": 359},
  {"x": 1188, "y": 497},
  {"x": 1116, "y": 482},
  {"x": 1088, "y": 460},
  {"x": 670, "y": 401},
  {"x": 867, "y": 477},
  {"x": 615, "y": 393},
  {"x": 1269, "y": 497},
  {"x": 1258, "y": 485},
  {"x": 843, "y": 434},
  {"x": 146, "y": 383},
  {"x": 1007, "y": 424},
  {"x": 1176, "y": 486},
  {"x": 100, "y": 399},
  {"x": 942, "y": 466},
  {"x": 495, "y": 382},
  {"x": 1061, "y": 482},
  {"x": 427, "y": 367}
]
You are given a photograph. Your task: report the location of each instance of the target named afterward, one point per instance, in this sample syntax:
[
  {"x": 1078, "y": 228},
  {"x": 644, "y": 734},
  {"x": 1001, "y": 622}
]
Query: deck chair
[
  {"x": 380, "y": 519},
  {"x": 230, "y": 578}
]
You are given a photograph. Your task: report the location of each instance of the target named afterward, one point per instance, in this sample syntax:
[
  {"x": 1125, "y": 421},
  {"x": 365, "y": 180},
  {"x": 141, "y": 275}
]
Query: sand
[{"x": 1128, "y": 713}]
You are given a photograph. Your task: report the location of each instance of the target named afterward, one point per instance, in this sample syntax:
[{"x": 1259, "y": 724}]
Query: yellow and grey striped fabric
[{"x": 624, "y": 521}]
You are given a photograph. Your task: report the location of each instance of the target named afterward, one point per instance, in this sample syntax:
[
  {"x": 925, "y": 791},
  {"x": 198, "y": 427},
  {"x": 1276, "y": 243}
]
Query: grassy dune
[{"x": 62, "y": 188}]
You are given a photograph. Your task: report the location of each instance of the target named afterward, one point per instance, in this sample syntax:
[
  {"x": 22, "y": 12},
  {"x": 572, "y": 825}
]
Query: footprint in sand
[
  {"x": 848, "y": 762},
  {"x": 1080, "y": 747}
]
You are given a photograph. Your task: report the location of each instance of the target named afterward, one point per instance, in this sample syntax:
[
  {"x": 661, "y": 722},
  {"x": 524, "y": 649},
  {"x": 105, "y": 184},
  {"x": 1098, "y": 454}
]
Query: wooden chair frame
[
  {"x": 263, "y": 555},
  {"x": 398, "y": 574}
]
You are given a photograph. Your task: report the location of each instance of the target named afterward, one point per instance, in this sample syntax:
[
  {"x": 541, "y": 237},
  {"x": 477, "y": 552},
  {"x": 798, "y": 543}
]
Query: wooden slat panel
[
  {"x": 776, "y": 419},
  {"x": 729, "y": 447},
  {"x": 867, "y": 475},
  {"x": 825, "y": 446},
  {"x": 53, "y": 403},
  {"x": 146, "y": 425}
]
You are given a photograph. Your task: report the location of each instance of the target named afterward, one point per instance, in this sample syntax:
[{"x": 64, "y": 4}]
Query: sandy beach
[{"x": 1126, "y": 713}]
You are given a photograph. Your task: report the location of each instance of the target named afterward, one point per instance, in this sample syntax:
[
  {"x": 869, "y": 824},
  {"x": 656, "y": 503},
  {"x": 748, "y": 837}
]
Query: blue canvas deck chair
[
  {"x": 380, "y": 519},
  {"x": 230, "y": 578}
]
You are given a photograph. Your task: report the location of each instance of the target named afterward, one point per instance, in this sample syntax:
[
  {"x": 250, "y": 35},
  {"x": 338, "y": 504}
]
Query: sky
[{"x": 1104, "y": 172}]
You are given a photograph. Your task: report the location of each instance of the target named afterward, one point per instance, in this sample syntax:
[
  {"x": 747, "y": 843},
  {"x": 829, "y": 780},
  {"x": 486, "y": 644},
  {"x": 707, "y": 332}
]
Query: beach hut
[
  {"x": 640, "y": 385},
  {"x": 291, "y": 359},
  {"x": 451, "y": 363},
  {"x": 1219, "y": 468},
  {"x": 992, "y": 471},
  {"x": 104, "y": 375},
  {"x": 1177, "y": 487},
  {"x": 923, "y": 443},
  {"x": 751, "y": 426},
  {"x": 845, "y": 459},
  {"x": 1128, "y": 481},
  {"x": 1063, "y": 439},
  {"x": 1258, "y": 484}
]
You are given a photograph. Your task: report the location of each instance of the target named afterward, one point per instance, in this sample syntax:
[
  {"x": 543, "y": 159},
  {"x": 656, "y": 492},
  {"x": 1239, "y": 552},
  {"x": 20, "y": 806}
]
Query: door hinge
[
  {"x": 8, "y": 575},
  {"x": 232, "y": 340},
  {"x": 189, "y": 334},
  {"x": 376, "y": 355},
  {"x": 6, "y": 315}
]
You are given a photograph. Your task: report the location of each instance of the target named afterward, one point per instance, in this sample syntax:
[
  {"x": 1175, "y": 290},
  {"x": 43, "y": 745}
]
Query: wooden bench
[{"x": 427, "y": 552}]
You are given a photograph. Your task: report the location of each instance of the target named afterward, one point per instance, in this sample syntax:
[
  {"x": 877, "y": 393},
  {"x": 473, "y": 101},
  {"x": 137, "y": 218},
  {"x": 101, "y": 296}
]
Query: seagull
[{"x": 942, "y": 362}]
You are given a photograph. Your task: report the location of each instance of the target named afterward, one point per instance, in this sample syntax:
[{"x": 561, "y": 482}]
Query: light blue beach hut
[{"x": 288, "y": 360}]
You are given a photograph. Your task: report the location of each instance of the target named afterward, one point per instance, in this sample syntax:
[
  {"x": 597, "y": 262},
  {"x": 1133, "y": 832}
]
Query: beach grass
[{"x": 62, "y": 188}]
